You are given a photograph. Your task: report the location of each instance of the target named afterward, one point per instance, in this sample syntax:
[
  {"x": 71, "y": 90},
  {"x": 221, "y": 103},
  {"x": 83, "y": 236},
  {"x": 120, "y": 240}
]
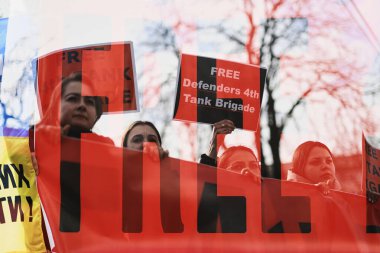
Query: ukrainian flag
[{"x": 20, "y": 210}]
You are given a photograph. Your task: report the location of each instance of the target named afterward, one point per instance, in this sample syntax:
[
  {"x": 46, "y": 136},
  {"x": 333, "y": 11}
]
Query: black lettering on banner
[
  {"x": 72, "y": 56},
  {"x": 372, "y": 169},
  {"x": 272, "y": 202},
  {"x": 6, "y": 175},
  {"x": 170, "y": 197},
  {"x": 132, "y": 191},
  {"x": 368, "y": 167},
  {"x": 14, "y": 205},
  {"x": 2, "y": 218},
  {"x": 21, "y": 177},
  {"x": 127, "y": 96},
  {"x": 70, "y": 197},
  {"x": 126, "y": 75},
  {"x": 375, "y": 171},
  {"x": 371, "y": 151},
  {"x": 70, "y": 212},
  {"x": 232, "y": 209},
  {"x": 373, "y": 188},
  {"x": 30, "y": 203},
  {"x": 132, "y": 196},
  {"x": 15, "y": 208}
]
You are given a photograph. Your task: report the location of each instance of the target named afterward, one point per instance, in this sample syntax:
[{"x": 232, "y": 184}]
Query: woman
[
  {"x": 313, "y": 163},
  {"x": 144, "y": 136},
  {"x": 240, "y": 159},
  {"x": 76, "y": 113},
  {"x": 68, "y": 114},
  {"x": 229, "y": 213}
]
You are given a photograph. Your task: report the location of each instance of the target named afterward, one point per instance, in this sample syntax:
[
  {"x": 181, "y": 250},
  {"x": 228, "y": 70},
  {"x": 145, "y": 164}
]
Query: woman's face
[
  {"x": 77, "y": 111},
  {"x": 319, "y": 165},
  {"x": 242, "y": 159},
  {"x": 140, "y": 134}
]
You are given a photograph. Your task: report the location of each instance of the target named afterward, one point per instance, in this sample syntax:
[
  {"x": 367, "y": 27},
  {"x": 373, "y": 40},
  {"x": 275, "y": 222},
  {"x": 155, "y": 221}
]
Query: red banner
[{"x": 99, "y": 198}]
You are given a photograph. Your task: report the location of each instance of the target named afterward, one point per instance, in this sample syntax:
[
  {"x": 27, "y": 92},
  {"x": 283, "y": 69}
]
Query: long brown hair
[{"x": 302, "y": 153}]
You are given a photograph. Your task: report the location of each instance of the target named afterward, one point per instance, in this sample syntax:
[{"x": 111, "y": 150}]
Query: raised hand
[{"x": 222, "y": 127}]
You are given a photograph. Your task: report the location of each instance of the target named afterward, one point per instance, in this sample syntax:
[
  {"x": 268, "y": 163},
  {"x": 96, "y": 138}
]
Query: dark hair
[
  {"x": 301, "y": 154},
  {"x": 78, "y": 77},
  {"x": 138, "y": 123},
  {"x": 52, "y": 112},
  {"x": 229, "y": 151}
]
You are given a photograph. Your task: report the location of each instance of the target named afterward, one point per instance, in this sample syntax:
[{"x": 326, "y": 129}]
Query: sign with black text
[
  {"x": 210, "y": 90},
  {"x": 371, "y": 167},
  {"x": 371, "y": 184},
  {"x": 107, "y": 68}
]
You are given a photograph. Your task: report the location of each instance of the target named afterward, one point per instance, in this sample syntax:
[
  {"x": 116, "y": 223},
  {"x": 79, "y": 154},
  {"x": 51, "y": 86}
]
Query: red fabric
[{"x": 338, "y": 221}]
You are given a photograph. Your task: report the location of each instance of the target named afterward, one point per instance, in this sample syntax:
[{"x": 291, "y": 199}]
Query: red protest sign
[
  {"x": 107, "y": 68},
  {"x": 210, "y": 90}
]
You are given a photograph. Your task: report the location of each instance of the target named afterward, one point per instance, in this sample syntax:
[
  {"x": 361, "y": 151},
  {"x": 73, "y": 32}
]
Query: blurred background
[{"x": 323, "y": 62}]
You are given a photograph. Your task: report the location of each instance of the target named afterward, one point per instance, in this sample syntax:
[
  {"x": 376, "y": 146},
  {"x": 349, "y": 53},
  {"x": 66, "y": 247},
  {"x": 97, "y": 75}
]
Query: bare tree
[
  {"x": 330, "y": 80},
  {"x": 16, "y": 99}
]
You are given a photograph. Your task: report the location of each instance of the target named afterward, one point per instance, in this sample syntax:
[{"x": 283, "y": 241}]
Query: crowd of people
[
  {"x": 313, "y": 162},
  {"x": 76, "y": 114}
]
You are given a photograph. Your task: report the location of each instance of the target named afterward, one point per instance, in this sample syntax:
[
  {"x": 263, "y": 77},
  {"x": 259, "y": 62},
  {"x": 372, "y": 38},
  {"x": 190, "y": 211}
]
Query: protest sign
[
  {"x": 107, "y": 68},
  {"x": 371, "y": 184},
  {"x": 371, "y": 167},
  {"x": 210, "y": 90},
  {"x": 20, "y": 211}
]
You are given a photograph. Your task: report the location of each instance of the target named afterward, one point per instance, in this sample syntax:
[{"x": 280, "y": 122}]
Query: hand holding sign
[
  {"x": 222, "y": 127},
  {"x": 211, "y": 90}
]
